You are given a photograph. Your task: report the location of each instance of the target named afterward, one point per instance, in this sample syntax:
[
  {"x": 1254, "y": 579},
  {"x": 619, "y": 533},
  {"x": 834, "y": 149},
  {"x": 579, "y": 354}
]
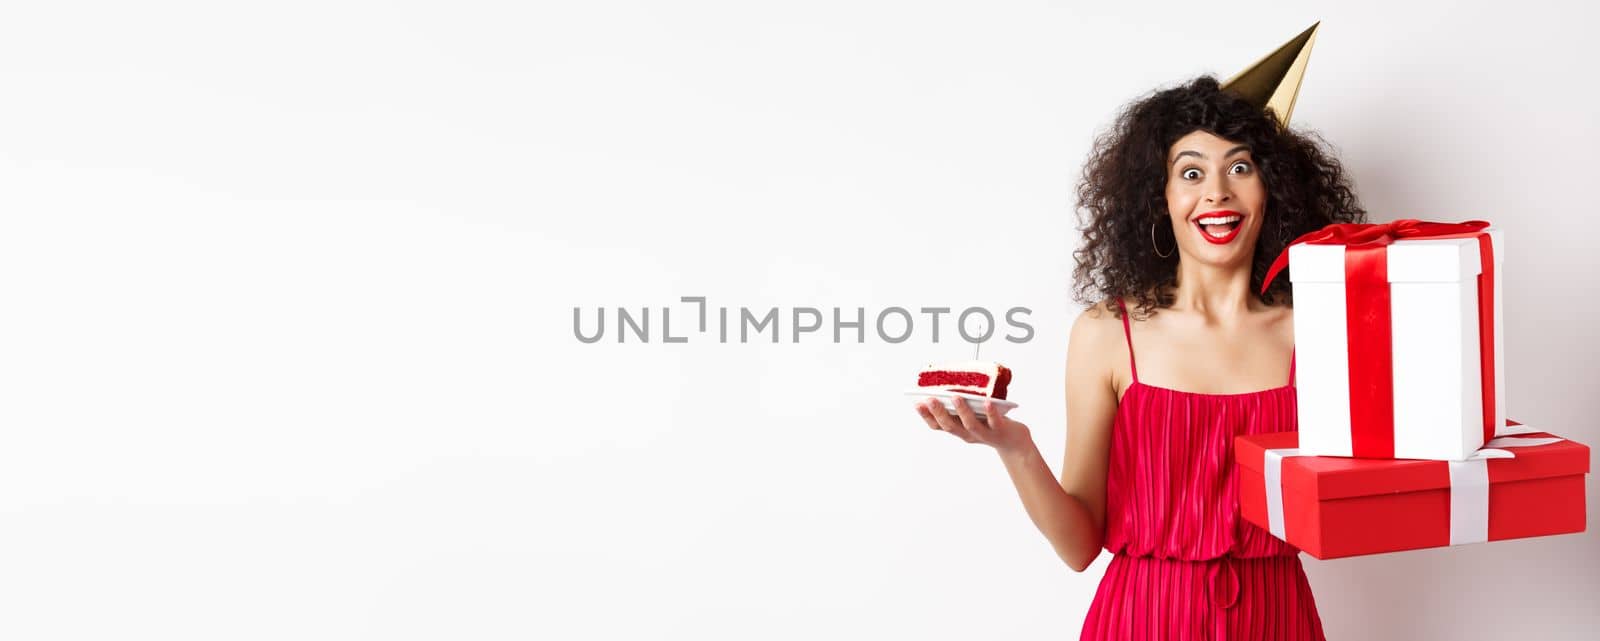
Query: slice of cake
[{"x": 971, "y": 377}]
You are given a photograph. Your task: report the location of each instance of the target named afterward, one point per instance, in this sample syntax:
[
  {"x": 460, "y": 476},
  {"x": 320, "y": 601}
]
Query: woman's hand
[{"x": 997, "y": 431}]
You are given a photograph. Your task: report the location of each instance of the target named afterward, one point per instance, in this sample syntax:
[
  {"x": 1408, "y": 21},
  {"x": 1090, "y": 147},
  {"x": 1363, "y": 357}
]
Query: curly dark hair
[{"x": 1123, "y": 191}]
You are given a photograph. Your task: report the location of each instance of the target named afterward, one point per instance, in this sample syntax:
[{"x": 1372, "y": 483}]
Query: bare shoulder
[
  {"x": 1094, "y": 327},
  {"x": 1092, "y": 346}
]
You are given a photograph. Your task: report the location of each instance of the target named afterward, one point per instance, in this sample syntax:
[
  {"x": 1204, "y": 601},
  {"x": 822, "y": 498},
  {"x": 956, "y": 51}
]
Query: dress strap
[
  {"x": 1128, "y": 333},
  {"x": 1291, "y": 367}
]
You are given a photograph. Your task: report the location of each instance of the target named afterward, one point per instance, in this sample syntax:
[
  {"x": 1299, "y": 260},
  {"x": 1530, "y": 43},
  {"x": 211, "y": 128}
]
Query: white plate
[{"x": 974, "y": 401}]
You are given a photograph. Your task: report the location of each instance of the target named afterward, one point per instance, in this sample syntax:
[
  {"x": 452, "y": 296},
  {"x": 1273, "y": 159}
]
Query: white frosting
[{"x": 988, "y": 367}]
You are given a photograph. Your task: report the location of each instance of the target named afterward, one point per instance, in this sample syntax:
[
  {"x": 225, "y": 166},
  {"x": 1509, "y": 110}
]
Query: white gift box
[{"x": 1437, "y": 387}]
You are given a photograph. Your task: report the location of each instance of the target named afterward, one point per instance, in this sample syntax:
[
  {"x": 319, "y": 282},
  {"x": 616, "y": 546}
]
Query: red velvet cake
[{"x": 970, "y": 377}]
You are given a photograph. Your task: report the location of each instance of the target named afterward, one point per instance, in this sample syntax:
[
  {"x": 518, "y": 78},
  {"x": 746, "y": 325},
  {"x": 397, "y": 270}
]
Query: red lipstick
[{"x": 1219, "y": 240}]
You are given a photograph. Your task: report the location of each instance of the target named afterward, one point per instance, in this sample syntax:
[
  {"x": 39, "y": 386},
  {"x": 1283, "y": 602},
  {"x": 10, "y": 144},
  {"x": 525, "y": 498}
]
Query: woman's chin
[{"x": 1238, "y": 251}]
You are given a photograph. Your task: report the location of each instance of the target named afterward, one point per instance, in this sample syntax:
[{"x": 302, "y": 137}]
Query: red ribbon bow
[
  {"x": 1364, "y": 236},
  {"x": 1368, "y": 324}
]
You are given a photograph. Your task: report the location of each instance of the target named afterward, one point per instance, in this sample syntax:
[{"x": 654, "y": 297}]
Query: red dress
[{"x": 1185, "y": 566}]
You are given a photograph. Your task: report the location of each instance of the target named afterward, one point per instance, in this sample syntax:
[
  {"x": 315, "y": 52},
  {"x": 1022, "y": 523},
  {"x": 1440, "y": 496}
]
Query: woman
[{"x": 1184, "y": 202}]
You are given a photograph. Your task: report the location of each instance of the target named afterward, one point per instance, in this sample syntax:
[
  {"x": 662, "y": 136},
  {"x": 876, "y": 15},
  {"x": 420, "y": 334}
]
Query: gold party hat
[{"x": 1273, "y": 82}]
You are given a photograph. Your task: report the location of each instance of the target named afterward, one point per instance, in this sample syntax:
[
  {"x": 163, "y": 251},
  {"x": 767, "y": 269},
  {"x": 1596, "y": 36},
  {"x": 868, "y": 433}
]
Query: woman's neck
[{"x": 1218, "y": 296}]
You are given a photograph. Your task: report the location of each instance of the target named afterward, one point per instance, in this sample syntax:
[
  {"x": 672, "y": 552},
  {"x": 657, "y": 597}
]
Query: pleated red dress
[{"x": 1185, "y": 565}]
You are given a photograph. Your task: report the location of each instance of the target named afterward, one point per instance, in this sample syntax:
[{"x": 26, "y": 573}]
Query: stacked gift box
[{"x": 1403, "y": 441}]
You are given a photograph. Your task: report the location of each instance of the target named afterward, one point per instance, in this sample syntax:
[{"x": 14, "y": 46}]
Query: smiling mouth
[{"x": 1219, "y": 227}]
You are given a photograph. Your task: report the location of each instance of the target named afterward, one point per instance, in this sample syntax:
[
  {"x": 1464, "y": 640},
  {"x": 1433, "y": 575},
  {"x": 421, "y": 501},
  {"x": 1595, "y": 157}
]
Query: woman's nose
[{"x": 1217, "y": 191}]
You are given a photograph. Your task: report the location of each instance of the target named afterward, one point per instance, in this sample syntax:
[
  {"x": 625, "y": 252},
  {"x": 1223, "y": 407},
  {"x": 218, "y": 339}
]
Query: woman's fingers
[
  {"x": 994, "y": 416},
  {"x": 964, "y": 423},
  {"x": 970, "y": 421},
  {"x": 972, "y": 424},
  {"x": 927, "y": 416},
  {"x": 947, "y": 422}
]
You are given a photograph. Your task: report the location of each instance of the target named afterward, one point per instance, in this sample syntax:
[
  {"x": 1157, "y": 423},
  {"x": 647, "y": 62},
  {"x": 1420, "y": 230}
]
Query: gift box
[
  {"x": 1396, "y": 342},
  {"x": 1524, "y": 484}
]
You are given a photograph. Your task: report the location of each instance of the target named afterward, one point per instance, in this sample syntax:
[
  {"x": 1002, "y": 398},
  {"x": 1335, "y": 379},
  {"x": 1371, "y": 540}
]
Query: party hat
[{"x": 1273, "y": 82}]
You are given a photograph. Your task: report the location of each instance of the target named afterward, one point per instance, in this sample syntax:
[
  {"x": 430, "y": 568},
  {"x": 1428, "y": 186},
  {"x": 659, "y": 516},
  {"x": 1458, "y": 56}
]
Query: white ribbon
[
  {"x": 1272, "y": 470},
  {"x": 1514, "y": 441},
  {"x": 1513, "y": 430},
  {"x": 1469, "y": 499},
  {"x": 1469, "y": 485}
]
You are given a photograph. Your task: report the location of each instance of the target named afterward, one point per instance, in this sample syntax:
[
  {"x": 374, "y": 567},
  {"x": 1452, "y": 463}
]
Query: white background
[{"x": 286, "y": 293}]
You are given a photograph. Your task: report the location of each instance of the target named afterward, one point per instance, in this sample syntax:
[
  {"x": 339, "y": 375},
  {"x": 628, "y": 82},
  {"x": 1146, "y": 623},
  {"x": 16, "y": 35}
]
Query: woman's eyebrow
[{"x": 1201, "y": 156}]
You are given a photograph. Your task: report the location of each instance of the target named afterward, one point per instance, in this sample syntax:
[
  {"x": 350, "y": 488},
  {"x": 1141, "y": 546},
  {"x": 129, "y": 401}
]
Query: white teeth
[{"x": 1218, "y": 220}]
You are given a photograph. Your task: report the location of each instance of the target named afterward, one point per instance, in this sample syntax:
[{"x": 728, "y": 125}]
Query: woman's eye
[
  {"x": 1240, "y": 167},
  {"x": 1191, "y": 174}
]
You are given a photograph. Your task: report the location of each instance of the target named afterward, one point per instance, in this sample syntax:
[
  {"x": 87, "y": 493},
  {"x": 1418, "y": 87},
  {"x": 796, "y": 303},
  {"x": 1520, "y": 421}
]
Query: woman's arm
[{"x": 1071, "y": 512}]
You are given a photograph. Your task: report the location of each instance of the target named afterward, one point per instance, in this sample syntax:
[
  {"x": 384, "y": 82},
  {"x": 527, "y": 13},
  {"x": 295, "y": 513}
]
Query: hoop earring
[{"x": 1153, "y": 243}]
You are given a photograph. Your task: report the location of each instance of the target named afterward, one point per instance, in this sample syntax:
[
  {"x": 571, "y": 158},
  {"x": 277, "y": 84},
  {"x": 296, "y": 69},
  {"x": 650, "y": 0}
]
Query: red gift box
[{"x": 1531, "y": 484}]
